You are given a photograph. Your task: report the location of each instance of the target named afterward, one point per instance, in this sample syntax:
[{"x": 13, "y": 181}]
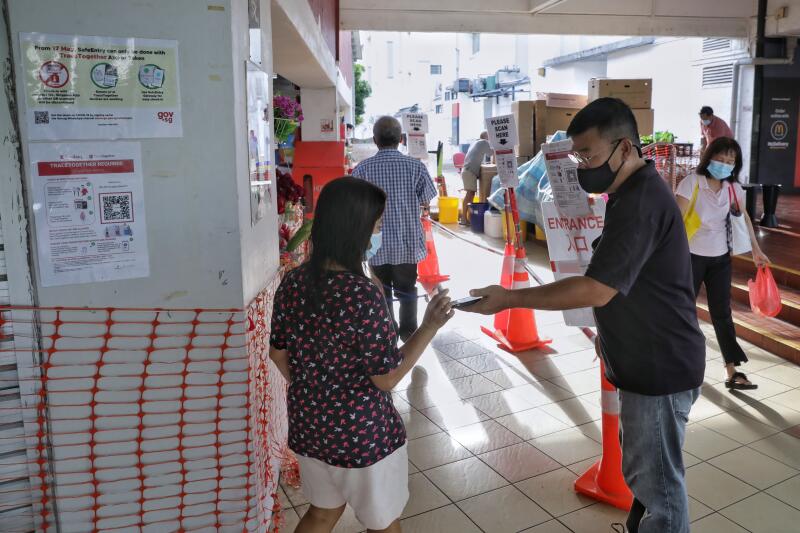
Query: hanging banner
[
  {"x": 88, "y": 206},
  {"x": 81, "y": 87},
  {"x": 502, "y": 132},
  {"x": 571, "y": 200},
  {"x": 415, "y": 123},
  {"x": 569, "y": 245}
]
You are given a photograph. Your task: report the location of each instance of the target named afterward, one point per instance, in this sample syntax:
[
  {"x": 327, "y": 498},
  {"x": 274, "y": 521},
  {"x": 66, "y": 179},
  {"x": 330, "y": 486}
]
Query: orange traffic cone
[
  {"x": 428, "y": 269},
  {"x": 521, "y": 332},
  {"x": 604, "y": 480}
]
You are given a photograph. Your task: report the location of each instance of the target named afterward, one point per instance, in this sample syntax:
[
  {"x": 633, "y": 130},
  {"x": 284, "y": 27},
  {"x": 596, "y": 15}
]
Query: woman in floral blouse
[{"x": 334, "y": 341}]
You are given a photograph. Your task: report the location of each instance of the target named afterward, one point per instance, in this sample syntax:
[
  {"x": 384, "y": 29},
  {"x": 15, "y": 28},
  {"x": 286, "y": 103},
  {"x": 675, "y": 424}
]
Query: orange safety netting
[{"x": 151, "y": 420}]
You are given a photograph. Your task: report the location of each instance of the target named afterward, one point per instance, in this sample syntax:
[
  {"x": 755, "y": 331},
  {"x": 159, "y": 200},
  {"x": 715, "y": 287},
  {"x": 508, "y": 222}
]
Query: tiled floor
[{"x": 497, "y": 440}]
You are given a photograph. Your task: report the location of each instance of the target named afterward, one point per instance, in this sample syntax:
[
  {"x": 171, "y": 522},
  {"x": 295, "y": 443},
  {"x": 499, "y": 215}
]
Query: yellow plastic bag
[{"x": 691, "y": 220}]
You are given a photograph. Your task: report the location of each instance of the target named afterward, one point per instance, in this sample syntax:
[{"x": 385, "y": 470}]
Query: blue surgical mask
[
  {"x": 375, "y": 242},
  {"x": 719, "y": 170},
  {"x": 706, "y": 121}
]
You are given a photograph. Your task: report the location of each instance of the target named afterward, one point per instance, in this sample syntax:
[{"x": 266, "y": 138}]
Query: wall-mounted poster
[
  {"x": 88, "y": 205},
  {"x": 79, "y": 87},
  {"x": 258, "y": 141}
]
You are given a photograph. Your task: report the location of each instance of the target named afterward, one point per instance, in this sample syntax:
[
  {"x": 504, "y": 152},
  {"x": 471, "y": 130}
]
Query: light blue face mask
[
  {"x": 719, "y": 170},
  {"x": 375, "y": 242}
]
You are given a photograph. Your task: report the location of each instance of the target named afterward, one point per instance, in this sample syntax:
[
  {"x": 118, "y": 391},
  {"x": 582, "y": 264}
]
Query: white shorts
[{"x": 378, "y": 493}]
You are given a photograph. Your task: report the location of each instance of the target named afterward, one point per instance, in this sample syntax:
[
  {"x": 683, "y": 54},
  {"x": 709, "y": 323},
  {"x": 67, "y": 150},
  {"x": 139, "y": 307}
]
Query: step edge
[
  {"x": 758, "y": 330},
  {"x": 786, "y": 303}
]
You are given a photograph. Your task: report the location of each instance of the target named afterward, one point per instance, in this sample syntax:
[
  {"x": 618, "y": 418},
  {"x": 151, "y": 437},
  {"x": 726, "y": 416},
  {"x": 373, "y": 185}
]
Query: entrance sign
[
  {"x": 569, "y": 244},
  {"x": 502, "y": 132},
  {"x": 80, "y": 87},
  {"x": 570, "y": 238},
  {"x": 415, "y": 123},
  {"x": 88, "y": 206}
]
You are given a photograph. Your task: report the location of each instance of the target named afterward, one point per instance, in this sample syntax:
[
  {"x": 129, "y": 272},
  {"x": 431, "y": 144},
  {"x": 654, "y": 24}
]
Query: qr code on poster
[
  {"x": 116, "y": 207},
  {"x": 41, "y": 117}
]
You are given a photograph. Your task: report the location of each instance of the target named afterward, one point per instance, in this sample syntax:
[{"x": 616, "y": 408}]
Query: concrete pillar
[{"x": 205, "y": 252}]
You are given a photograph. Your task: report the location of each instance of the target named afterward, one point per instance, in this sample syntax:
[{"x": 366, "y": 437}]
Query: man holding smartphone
[{"x": 639, "y": 283}]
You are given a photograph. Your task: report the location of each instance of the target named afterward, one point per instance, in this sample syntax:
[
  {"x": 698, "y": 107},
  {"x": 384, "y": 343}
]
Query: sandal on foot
[{"x": 735, "y": 382}]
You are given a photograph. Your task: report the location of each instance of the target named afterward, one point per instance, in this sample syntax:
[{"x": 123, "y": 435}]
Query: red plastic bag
[{"x": 765, "y": 299}]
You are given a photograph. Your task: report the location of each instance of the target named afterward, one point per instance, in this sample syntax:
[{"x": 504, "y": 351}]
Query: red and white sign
[
  {"x": 417, "y": 146},
  {"x": 507, "y": 168},
  {"x": 53, "y": 74},
  {"x": 562, "y": 172},
  {"x": 570, "y": 238},
  {"x": 569, "y": 243},
  {"x": 88, "y": 206}
]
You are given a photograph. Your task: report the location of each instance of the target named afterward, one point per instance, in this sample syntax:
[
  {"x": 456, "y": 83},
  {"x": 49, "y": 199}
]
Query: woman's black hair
[
  {"x": 346, "y": 212},
  {"x": 721, "y": 145}
]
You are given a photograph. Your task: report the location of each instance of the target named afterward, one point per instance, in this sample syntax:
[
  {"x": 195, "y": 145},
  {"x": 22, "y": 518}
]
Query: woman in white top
[{"x": 719, "y": 197}]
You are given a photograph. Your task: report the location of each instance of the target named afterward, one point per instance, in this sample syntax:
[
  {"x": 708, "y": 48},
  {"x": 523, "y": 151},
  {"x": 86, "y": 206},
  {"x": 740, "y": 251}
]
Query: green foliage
[
  {"x": 659, "y": 137},
  {"x": 363, "y": 91},
  {"x": 300, "y": 237}
]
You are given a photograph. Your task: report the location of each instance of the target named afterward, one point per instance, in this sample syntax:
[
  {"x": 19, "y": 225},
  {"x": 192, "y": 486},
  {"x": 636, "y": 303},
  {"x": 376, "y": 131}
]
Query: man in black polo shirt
[{"x": 639, "y": 283}]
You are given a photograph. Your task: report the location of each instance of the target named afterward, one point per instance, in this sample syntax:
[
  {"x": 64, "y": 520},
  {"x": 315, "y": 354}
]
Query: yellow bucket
[
  {"x": 523, "y": 228},
  {"x": 448, "y": 209}
]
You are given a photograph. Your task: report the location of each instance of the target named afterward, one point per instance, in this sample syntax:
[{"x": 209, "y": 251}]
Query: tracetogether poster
[
  {"x": 79, "y": 87},
  {"x": 88, "y": 206}
]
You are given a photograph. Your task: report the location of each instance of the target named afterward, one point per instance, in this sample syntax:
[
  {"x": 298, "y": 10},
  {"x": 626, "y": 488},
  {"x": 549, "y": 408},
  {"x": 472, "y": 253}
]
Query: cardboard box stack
[
  {"x": 638, "y": 94},
  {"x": 536, "y": 119}
]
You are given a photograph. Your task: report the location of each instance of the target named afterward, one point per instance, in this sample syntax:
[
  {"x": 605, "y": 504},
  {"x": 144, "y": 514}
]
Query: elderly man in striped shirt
[{"x": 408, "y": 186}]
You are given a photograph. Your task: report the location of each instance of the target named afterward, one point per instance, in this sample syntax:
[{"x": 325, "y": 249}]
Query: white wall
[{"x": 675, "y": 65}]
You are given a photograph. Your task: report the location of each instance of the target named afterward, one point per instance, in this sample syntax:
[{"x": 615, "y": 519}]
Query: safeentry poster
[
  {"x": 81, "y": 87},
  {"x": 88, "y": 206}
]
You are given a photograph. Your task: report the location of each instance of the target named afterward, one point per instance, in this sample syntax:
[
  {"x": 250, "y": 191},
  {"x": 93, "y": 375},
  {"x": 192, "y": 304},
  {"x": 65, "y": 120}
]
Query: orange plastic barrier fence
[{"x": 150, "y": 420}]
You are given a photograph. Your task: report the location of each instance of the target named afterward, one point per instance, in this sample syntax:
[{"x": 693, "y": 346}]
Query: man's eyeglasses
[{"x": 583, "y": 161}]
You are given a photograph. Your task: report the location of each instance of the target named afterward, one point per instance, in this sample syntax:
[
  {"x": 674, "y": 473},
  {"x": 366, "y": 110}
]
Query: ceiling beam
[{"x": 541, "y": 23}]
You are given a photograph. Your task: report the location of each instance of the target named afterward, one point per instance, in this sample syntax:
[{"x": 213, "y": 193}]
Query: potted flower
[{"x": 287, "y": 115}]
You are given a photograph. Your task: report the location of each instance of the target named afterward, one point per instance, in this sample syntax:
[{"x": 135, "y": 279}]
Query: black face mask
[{"x": 598, "y": 180}]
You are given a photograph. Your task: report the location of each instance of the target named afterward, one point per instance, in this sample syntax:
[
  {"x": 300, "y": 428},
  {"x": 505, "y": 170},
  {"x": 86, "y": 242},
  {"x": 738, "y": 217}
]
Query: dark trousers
[
  {"x": 400, "y": 282},
  {"x": 715, "y": 273}
]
